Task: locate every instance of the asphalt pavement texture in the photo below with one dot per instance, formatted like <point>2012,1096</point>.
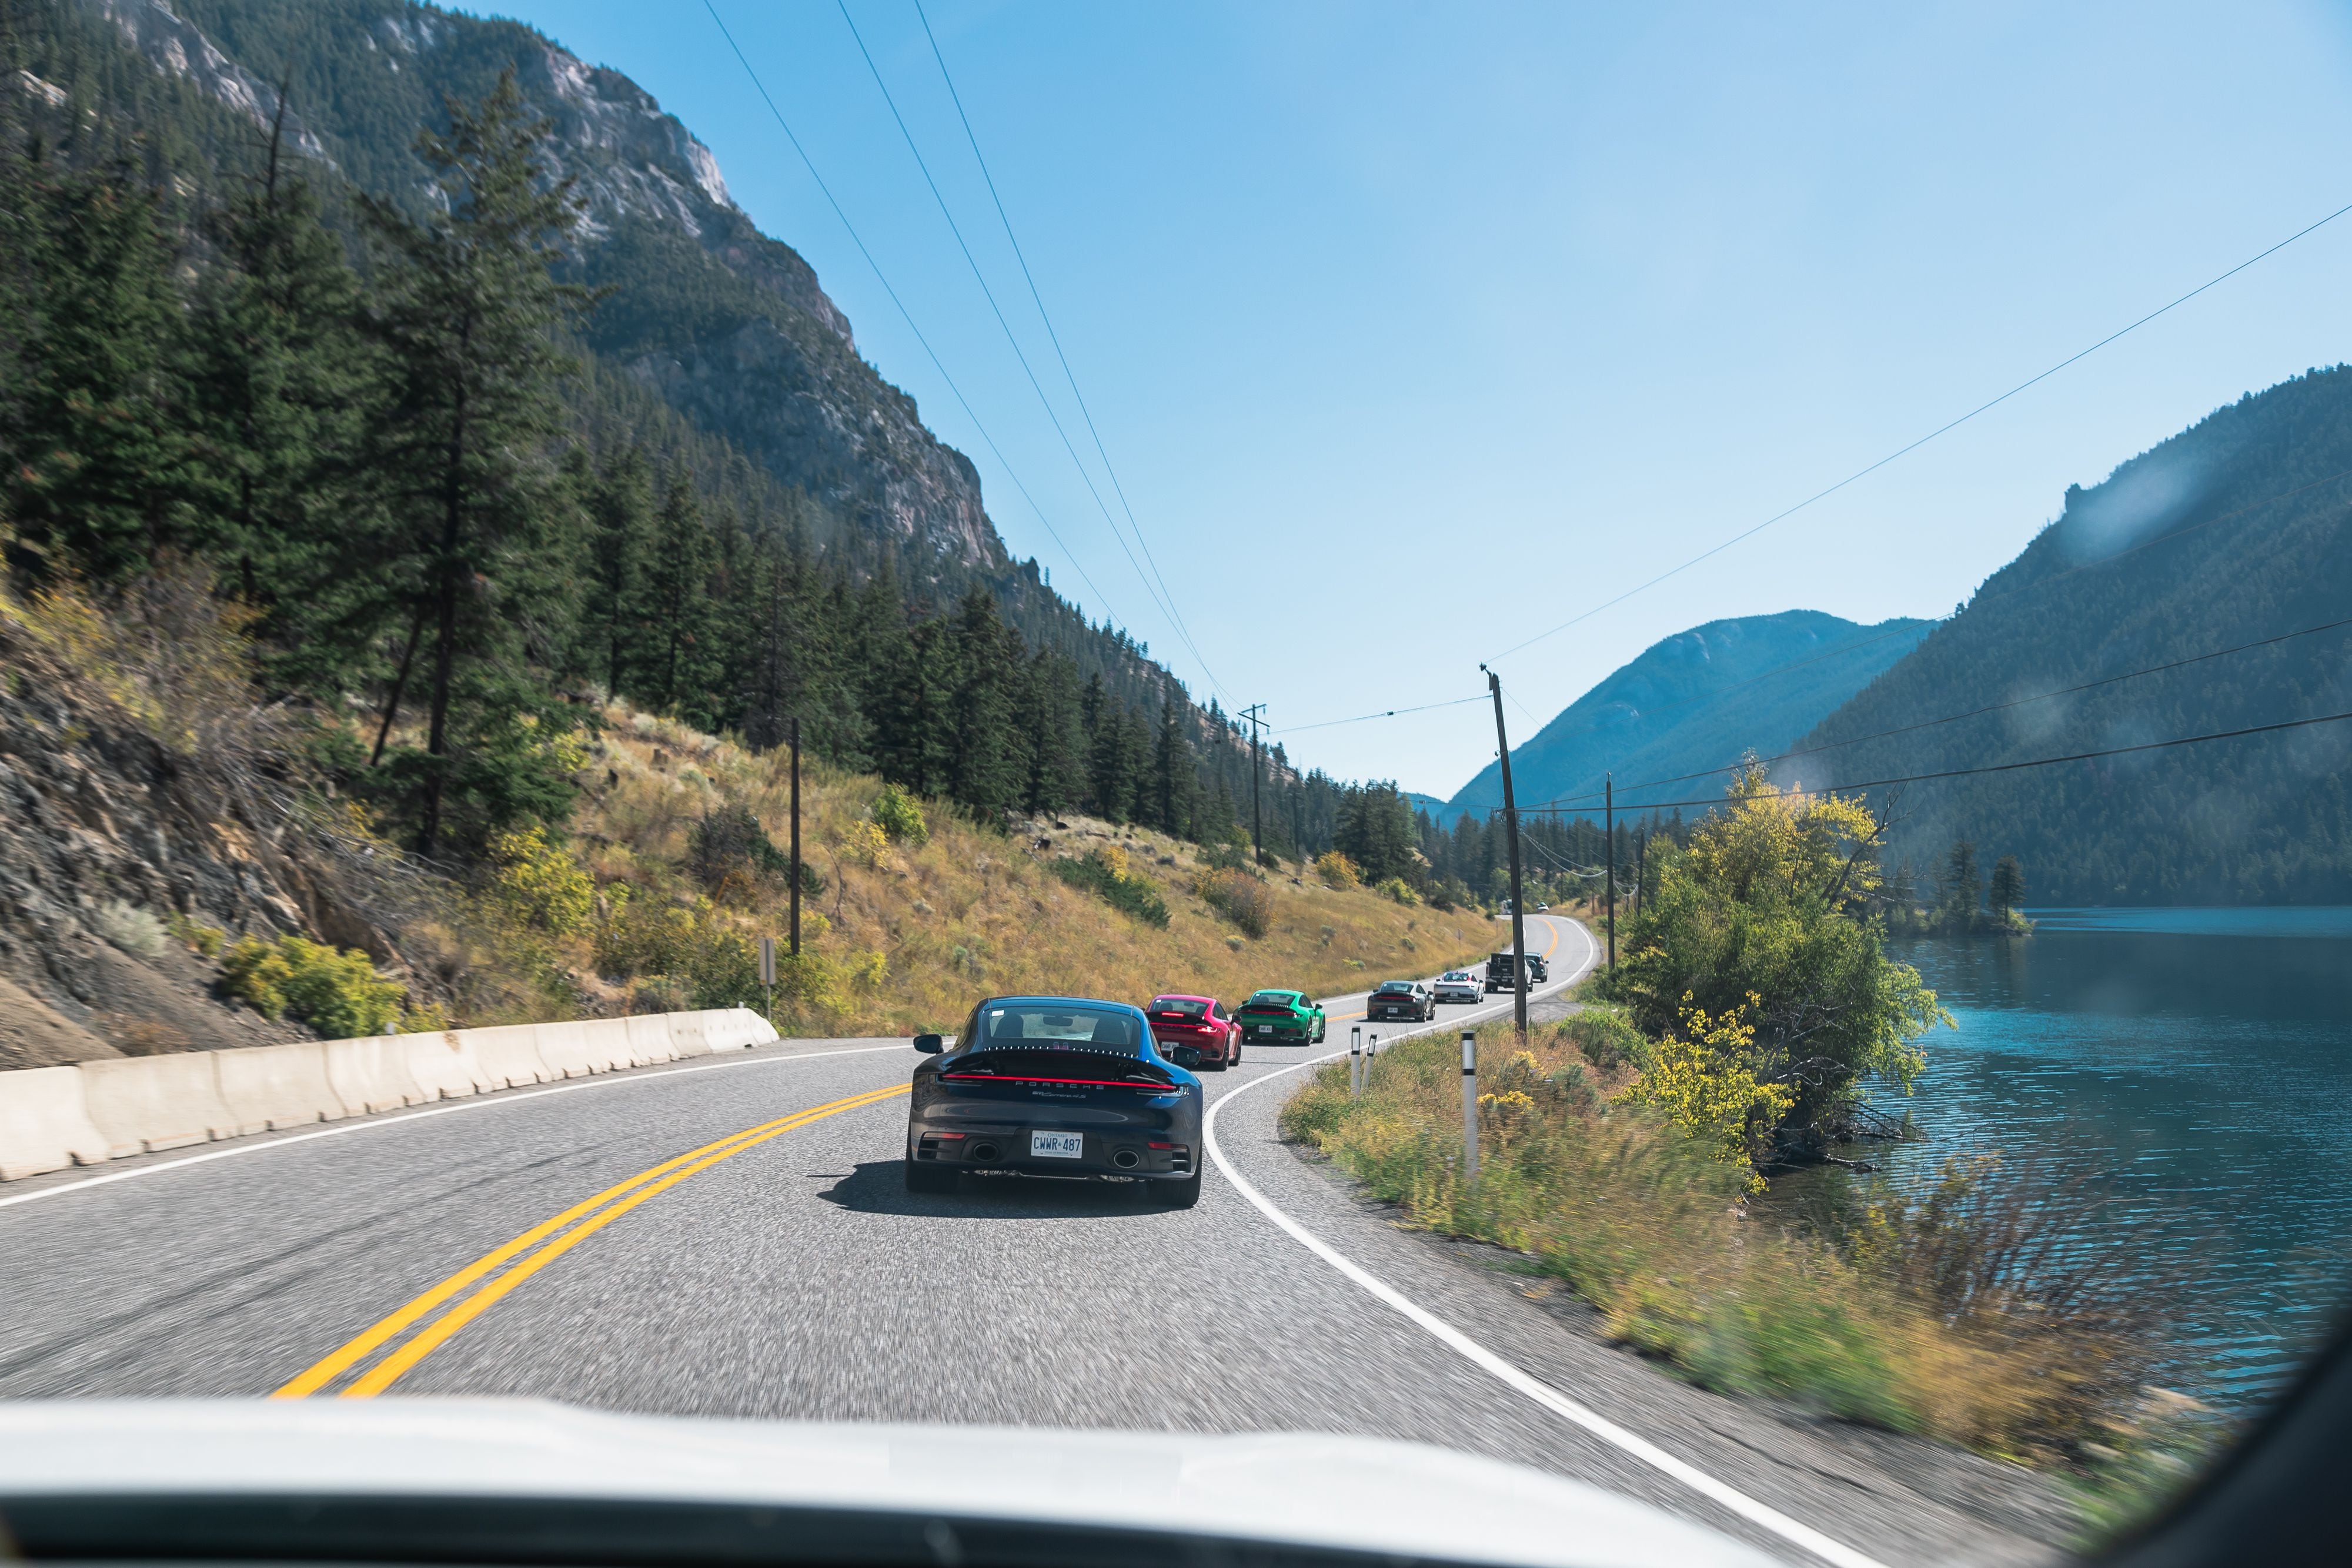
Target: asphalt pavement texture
<point>799,1279</point>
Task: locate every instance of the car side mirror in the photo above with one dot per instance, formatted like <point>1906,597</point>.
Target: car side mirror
<point>929,1044</point>
<point>1187,1057</point>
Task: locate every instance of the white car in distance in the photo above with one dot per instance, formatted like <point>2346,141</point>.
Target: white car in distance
<point>1460,986</point>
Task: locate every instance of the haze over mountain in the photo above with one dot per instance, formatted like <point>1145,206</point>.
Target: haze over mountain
<point>2237,530</point>
<point>1697,699</point>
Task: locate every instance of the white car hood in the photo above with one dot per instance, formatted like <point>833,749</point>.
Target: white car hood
<point>1351,1493</point>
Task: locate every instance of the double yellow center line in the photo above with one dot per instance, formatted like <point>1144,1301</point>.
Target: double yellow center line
<point>472,1291</point>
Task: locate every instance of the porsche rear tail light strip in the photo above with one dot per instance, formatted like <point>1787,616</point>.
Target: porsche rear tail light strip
<point>1144,1084</point>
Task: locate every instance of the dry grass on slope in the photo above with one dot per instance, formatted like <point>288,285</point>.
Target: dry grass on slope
<point>912,935</point>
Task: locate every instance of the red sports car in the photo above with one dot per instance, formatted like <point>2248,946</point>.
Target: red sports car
<point>1201,1022</point>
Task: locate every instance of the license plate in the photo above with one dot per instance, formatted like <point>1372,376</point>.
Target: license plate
<point>1056,1145</point>
<point>1266,1028</point>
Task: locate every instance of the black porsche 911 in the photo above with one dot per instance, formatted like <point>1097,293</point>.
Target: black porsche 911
<point>1057,1086</point>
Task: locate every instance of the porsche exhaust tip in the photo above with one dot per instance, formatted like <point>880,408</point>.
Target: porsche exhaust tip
<point>1127,1160</point>
<point>986,1154</point>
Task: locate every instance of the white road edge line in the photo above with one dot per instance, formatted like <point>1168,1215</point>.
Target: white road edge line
<point>486,1102</point>
<point>1737,1502</point>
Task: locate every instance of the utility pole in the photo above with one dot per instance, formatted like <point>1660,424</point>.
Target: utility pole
<point>1518,904</point>
<point>1609,816</point>
<point>796,740</point>
<point>1255,713</point>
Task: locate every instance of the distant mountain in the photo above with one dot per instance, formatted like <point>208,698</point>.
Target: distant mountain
<point>716,348</point>
<point>1697,700</point>
<point>2237,530</point>
<point>728,325</point>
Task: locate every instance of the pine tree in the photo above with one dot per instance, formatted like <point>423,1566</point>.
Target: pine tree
<point>2008,890</point>
<point>672,653</point>
<point>1049,713</point>
<point>620,523</point>
<point>988,752</point>
<point>464,311</point>
<point>280,390</point>
<point>94,455</point>
<point>1174,783</point>
<point>1963,887</point>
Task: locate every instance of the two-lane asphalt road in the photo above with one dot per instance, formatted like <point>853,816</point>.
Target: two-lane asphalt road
<point>734,1237</point>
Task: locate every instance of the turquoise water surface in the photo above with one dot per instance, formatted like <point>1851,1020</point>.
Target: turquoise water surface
<point>2196,1066</point>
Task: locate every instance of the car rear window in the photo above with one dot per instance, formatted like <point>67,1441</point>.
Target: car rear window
<point>1396,988</point>
<point>1178,1006</point>
<point>1061,1026</point>
<point>1273,998</point>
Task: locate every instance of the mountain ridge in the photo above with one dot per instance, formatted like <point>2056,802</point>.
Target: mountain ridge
<point>1667,710</point>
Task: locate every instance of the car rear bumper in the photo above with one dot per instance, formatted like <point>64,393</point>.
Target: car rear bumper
<point>1118,1153</point>
<point>1279,1034</point>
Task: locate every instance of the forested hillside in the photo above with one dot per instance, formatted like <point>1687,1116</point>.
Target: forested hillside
<point>2234,532</point>
<point>222,342</point>
<point>1697,699</point>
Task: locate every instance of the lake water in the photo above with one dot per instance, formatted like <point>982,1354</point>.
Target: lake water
<point>2197,1065</point>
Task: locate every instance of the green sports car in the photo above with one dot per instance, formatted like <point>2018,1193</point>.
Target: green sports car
<point>1279,1018</point>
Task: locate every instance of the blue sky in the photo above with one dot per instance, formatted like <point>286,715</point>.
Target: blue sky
<point>1415,329</point>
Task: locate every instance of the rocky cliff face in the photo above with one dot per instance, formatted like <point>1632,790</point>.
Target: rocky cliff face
<point>106,833</point>
<point>734,328</point>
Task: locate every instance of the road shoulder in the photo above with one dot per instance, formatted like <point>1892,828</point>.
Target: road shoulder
<point>1898,1498</point>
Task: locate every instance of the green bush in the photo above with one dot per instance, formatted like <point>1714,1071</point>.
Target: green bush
<point>898,814</point>
<point>1126,892</point>
<point>1401,890</point>
<point>1606,1036</point>
<point>334,990</point>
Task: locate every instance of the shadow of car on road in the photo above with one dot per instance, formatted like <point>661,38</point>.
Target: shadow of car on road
<point>880,1187</point>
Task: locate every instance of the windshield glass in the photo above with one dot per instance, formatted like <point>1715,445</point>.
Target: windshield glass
<point>613,714</point>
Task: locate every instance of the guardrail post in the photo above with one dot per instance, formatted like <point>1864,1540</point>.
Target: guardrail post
<point>1355,1061</point>
<point>1469,1107</point>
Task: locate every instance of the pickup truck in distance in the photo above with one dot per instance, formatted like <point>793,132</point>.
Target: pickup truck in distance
<point>1501,972</point>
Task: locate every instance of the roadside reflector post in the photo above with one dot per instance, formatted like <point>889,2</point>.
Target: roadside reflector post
<point>768,972</point>
<point>1355,1061</point>
<point>1469,1107</point>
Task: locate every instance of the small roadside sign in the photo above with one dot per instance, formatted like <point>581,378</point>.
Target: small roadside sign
<point>767,960</point>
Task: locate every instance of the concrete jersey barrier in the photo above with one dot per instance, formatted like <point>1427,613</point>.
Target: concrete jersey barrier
<point>269,1087</point>
<point>371,1074</point>
<point>45,1122</point>
<point>53,1117</point>
<point>145,1104</point>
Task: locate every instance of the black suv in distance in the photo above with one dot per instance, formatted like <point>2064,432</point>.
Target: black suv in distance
<point>1401,999</point>
<point>1500,977</point>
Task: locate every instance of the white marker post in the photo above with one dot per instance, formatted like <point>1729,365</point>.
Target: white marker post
<point>1469,1107</point>
<point>768,972</point>
<point>1355,1061</point>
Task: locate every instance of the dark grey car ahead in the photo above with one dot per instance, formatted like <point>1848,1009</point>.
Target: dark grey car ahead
<point>1057,1086</point>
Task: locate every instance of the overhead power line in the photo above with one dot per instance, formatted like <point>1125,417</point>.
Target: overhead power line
<point>1164,600</point>
<point>904,314</point>
<point>1987,767</point>
<point>1922,441</point>
<point>1038,300</point>
<point>1386,712</point>
<point>1996,707</point>
<point>1982,598</point>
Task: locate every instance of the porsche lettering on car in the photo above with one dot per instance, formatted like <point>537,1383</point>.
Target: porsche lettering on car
<point>1058,1086</point>
<point>1281,1018</point>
